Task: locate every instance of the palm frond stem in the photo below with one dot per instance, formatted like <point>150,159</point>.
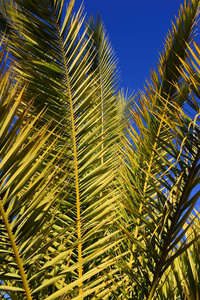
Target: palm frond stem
<point>16,252</point>
<point>162,259</point>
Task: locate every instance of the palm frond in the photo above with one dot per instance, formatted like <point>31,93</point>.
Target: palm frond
<point>161,166</point>
<point>27,190</point>
<point>50,53</point>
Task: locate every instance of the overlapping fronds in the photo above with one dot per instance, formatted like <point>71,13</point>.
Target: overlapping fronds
<point>104,66</point>
<point>161,166</point>
<point>28,190</point>
<point>84,212</point>
<point>56,60</point>
<point>181,280</point>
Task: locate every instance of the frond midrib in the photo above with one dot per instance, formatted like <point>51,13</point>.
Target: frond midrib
<point>69,94</point>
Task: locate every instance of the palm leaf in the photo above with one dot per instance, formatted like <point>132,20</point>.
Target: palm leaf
<point>161,165</point>
<point>23,150</point>
<point>50,53</point>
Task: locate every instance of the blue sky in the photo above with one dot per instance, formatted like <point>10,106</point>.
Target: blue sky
<point>137,30</point>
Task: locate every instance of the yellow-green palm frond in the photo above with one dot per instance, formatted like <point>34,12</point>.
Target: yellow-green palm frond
<point>87,213</point>
<point>163,80</point>
<point>31,180</point>
<point>53,56</point>
<point>181,279</point>
<point>161,166</point>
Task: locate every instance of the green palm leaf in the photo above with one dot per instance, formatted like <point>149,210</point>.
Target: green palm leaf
<point>161,166</point>
<point>87,213</point>
<point>50,53</point>
<point>23,150</point>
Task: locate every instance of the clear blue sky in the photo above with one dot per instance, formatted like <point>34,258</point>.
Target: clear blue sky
<point>137,30</point>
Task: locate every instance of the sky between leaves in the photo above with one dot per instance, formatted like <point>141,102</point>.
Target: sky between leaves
<point>137,30</point>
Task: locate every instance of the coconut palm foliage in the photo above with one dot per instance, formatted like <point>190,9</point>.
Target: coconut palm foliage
<point>95,202</point>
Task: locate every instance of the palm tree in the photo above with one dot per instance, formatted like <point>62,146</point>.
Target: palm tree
<point>95,189</point>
